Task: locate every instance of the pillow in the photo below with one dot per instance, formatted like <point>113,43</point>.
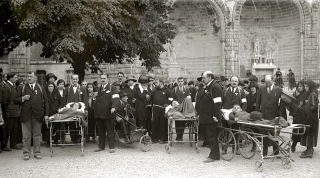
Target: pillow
<point>225,113</point>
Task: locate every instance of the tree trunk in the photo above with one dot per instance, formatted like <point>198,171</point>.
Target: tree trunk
<point>80,70</point>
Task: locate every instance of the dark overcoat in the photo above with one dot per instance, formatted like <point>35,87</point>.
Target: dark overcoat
<point>107,98</point>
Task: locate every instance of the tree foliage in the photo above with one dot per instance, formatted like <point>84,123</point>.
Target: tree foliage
<point>111,30</point>
<point>9,38</point>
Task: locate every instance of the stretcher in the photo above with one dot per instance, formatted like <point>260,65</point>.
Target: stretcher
<point>192,128</point>
<point>250,136</point>
<point>65,131</point>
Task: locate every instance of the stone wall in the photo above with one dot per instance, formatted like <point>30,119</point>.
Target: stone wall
<point>277,26</point>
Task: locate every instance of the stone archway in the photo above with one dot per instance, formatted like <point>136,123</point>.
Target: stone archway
<point>199,43</point>
<point>270,16</point>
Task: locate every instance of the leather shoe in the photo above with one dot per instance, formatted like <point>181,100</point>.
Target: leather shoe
<point>306,156</point>
<point>16,148</point>
<point>6,149</point>
<point>26,157</point>
<point>162,142</point>
<point>98,150</point>
<point>37,156</point>
<point>112,150</point>
<point>209,160</point>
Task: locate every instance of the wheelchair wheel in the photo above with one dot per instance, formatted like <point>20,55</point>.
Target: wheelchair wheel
<point>259,166</point>
<point>246,145</point>
<point>145,143</point>
<point>227,144</point>
<point>286,163</point>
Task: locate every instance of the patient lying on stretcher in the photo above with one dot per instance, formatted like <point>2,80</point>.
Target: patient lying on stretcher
<point>182,111</point>
<point>73,109</point>
<point>238,114</point>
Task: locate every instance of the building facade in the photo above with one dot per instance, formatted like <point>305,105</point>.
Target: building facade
<point>228,37</point>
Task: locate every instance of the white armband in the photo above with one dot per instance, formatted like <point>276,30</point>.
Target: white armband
<point>279,100</point>
<point>243,100</point>
<point>170,99</point>
<point>217,100</point>
<point>115,96</point>
<point>189,97</point>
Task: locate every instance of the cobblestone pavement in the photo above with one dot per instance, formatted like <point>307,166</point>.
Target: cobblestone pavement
<point>130,161</point>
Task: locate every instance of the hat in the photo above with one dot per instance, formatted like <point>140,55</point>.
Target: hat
<point>200,78</point>
<point>255,116</point>
<point>245,81</point>
<point>223,78</point>
<point>286,96</point>
<point>263,80</point>
<point>50,75</point>
<point>150,77</point>
<point>253,78</point>
<point>122,93</point>
<point>143,79</point>
<point>241,83</point>
<point>253,84</point>
<point>116,83</point>
<point>131,78</point>
<point>191,83</point>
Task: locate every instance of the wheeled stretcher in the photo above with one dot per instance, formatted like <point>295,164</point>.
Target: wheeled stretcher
<point>64,131</point>
<point>250,136</point>
<point>191,127</point>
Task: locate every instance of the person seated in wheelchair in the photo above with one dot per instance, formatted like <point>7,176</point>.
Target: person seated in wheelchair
<point>125,123</point>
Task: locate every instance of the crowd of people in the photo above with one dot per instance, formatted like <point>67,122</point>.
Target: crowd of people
<point>134,103</point>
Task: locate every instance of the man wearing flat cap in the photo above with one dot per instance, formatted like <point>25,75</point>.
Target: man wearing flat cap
<point>129,89</point>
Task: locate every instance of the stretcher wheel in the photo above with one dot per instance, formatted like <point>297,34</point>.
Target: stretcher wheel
<point>286,163</point>
<point>227,144</point>
<point>168,150</point>
<point>246,145</point>
<point>145,143</point>
<point>259,166</point>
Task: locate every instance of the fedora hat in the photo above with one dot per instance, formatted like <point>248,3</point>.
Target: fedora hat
<point>143,79</point>
<point>200,78</point>
<point>255,116</point>
<point>131,78</point>
<point>122,93</point>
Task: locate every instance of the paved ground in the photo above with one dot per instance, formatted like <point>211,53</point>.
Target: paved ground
<point>130,161</point>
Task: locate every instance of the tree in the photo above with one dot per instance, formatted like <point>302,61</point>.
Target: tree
<point>112,31</point>
<point>9,38</point>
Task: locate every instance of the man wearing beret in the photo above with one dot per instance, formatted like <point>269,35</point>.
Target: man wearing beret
<point>209,113</point>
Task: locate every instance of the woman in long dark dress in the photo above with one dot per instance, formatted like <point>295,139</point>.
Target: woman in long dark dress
<point>91,120</point>
<point>55,103</point>
<point>308,115</point>
<point>301,95</point>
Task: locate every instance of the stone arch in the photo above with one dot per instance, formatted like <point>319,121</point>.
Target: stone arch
<point>305,25</point>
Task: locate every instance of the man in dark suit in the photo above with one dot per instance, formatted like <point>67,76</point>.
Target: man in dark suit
<point>209,113</point>
<point>121,81</point>
<point>34,108</point>
<point>76,93</point>
<point>180,92</point>
<point>234,95</point>
<point>107,102</point>
<point>268,103</point>
<point>193,91</point>
<point>12,110</point>
<point>151,88</point>
<point>129,89</point>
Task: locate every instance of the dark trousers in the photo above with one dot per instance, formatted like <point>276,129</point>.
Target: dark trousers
<point>203,133</point>
<point>3,138</point>
<point>12,130</point>
<point>127,127</point>
<point>212,134</point>
<point>266,143</point>
<point>180,126</point>
<point>149,121</point>
<point>19,134</point>
<point>106,125</point>
<point>75,137</point>
<point>142,123</point>
<point>159,125</point>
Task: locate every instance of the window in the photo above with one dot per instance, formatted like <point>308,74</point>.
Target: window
<point>69,74</point>
<point>41,77</point>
